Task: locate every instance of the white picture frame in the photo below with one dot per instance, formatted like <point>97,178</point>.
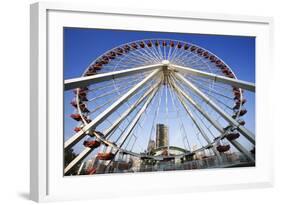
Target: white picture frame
<point>46,176</point>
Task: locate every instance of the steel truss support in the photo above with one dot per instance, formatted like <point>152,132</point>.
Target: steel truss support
<point>108,131</point>
<point>133,123</point>
<point>249,135</point>
<point>85,81</point>
<point>235,143</point>
<point>230,81</point>
<point>95,122</point>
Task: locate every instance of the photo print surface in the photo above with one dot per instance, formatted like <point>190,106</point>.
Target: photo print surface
<point>141,101</point>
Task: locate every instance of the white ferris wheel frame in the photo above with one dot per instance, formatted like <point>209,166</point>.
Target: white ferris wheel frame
<point>47,22</point>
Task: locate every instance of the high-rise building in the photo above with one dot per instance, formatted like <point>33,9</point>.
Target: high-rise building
<point>162,137</point>
<point>151,145</point>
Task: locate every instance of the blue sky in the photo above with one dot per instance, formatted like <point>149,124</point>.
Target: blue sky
<point>82,46</point>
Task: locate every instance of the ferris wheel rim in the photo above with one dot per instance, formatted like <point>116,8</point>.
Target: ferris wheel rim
<point>160,40</point>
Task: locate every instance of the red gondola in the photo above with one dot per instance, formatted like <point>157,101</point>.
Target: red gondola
<point>225,71</point>
<point>236,92</point>
<point>111,55</point>
<point>81,90</point>
<point>119,51</point>
<point>186,46</point>
<point>232,136</point>
<point>74,103</point>
<point>89,73</point>
<point>243,101</point>
<point>83,98</point>
<point>105,58</point>
<point>242,122</point>
<point>105,156</point>
<point>179,45</point>
<point>242,112</point>
<point>213,58</point>
<point>83,108</point>
<point>97,66</point>
<point>77,129</point>
<point>230,75</point>
<point>156,43</point>
<point>237,96</point>
<point>223,148</point>
<point>126,48</point>
<point>172,44</point>
<point>164,43</point>
<point>235,89</point>
<point>91,144</point>
<point>206,54</point>
<point>92,69</point>
<point>142,45</point>
<point>76,117</point>
<point>193,48</point>
<point>218,62</point>
<point>134,45</point>
<point>200,51</point>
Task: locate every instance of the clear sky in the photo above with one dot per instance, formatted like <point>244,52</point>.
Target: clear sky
<point>82,46</point>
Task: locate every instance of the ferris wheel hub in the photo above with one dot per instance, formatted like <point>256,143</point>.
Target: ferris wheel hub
<point>165,62</point>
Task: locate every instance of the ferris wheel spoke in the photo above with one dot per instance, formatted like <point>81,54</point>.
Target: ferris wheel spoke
<point>148,54</point>
<point>121,88</point>
<point>73,140</point>
<point>175,53</point>
<point>132,125</point>
<point>140,56</point>
<point>173,97</point>
<point>250,136</point>
<point>222,79</point>
<point>209,90</point>
<point>198,126</point>
<point>235,143</point>
<point>191,101</point>
<point>144,55</point>
<point>108,131</point>
<point>210,83</point>
<point>84,81</point>
<point>156,51</point>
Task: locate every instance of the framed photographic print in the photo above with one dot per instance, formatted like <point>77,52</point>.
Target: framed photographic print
<point>168,101</point>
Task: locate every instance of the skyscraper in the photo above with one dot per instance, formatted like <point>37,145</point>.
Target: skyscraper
<point>162,135</point>
<point>151,145</point>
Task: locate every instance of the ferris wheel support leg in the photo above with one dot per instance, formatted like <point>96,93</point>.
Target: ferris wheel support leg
<point>79,135</point>
<point>199,127</point>
<point>249,135</point>
<point>108,131</point>
<point>132,125</point>
<point>235,143</point>
<point>230,81</point>
<point>85,81</point>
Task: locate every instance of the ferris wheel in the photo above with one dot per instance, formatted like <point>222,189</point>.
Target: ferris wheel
<point>125,92</point>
